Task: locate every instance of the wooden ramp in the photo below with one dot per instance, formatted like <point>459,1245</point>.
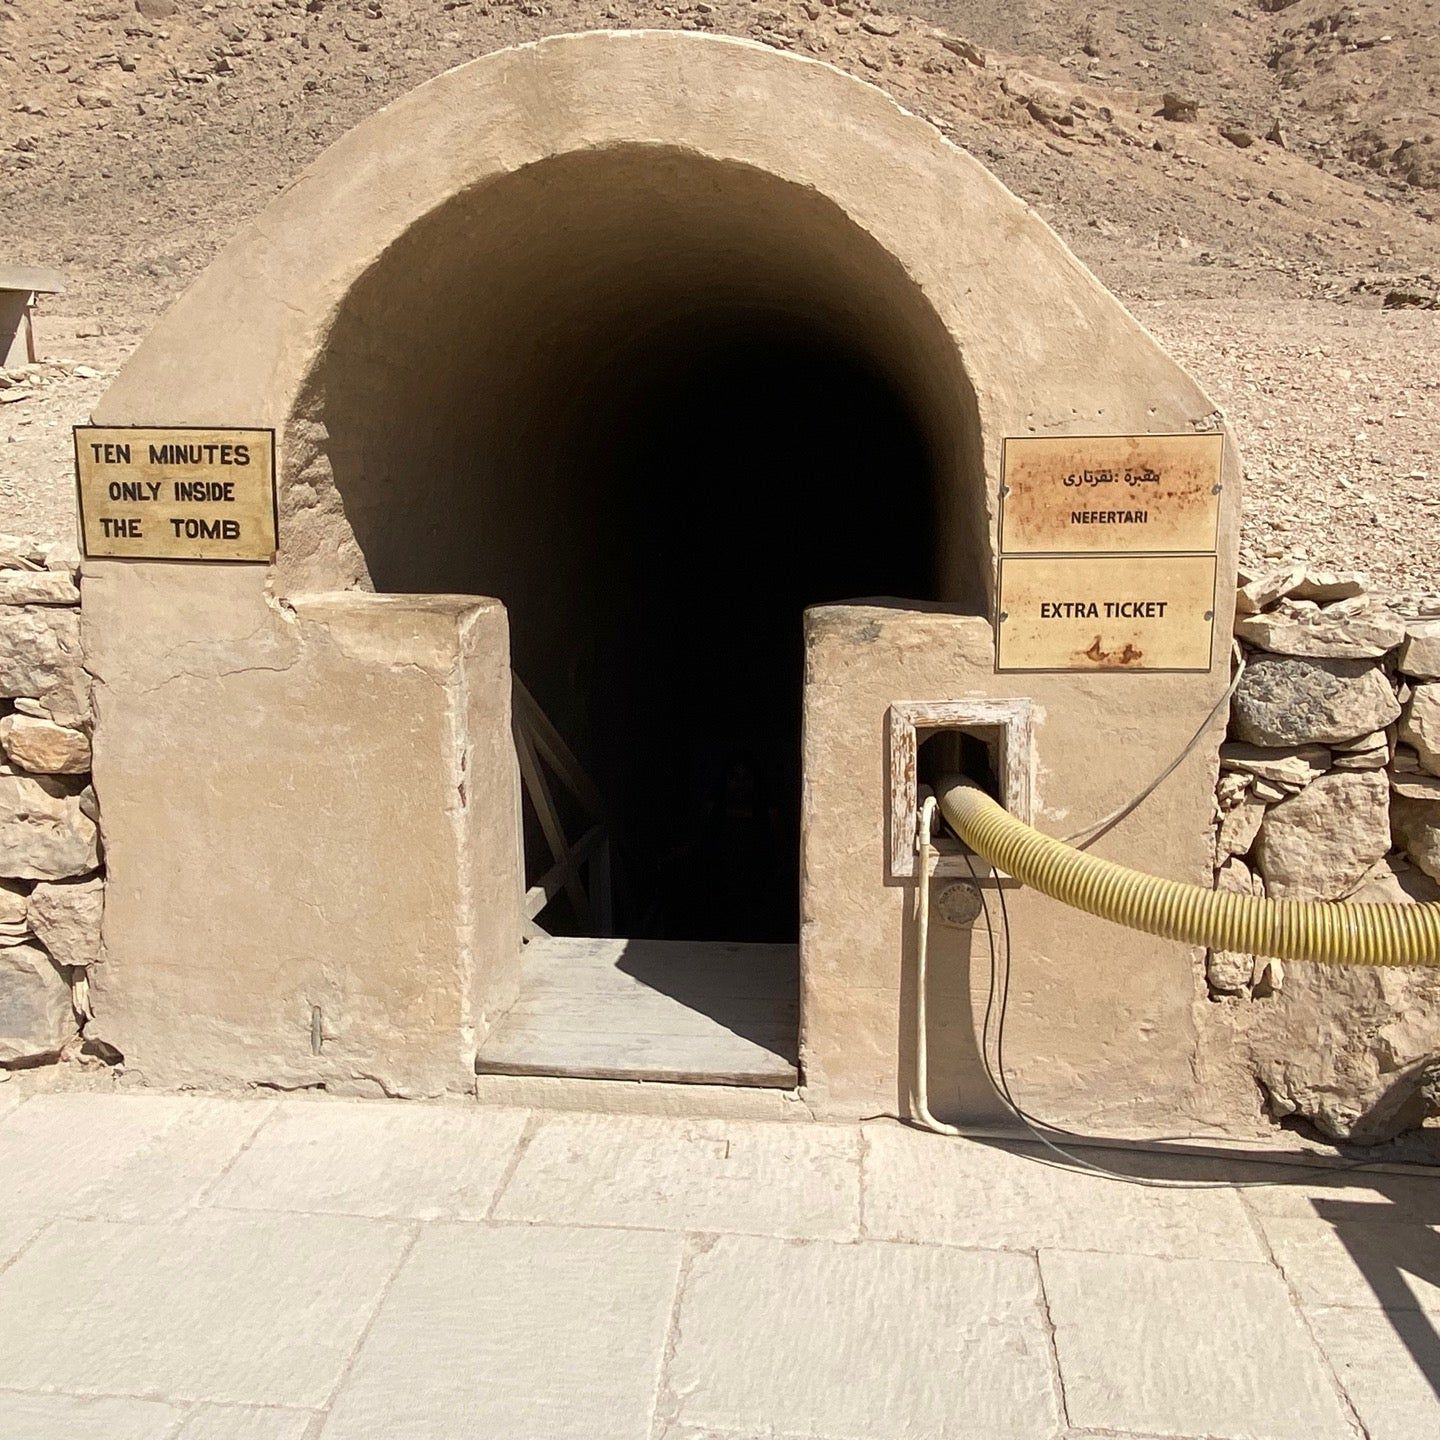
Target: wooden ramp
<point>697,1012</point>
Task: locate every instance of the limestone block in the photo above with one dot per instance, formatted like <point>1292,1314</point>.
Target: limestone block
<point>1239,828</point>
<point>1328,585</point>
<point>1350,629</point>
<point>1420,654</point>
<point>1292,767</point>
<point>1186,1347</point>
<point>1415,785</point>
<point>14,924</point>
<point>1295,700</point>
<point>1420,726</point>
<point>1319,844</point>
<point>45,833</point>
<point>1228,972</point>
<point>65,916</point>
<point>35,1014</point>
<point>300,1288</point>
<point>40,657</point>
<point>43,747</point>
<point>1353,1049</point>
<point>1264,590</point>
<point>1417,831</point>
<point>524,1331</point>
<point>21,552</point>
<point>37,587</point>
<point>1369,752</point>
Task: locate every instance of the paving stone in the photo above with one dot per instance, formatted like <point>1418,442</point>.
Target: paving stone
<point>889,1342</point>
<point>967,1192</point>
<point>376,1158</point>
<point>1366,1196</point>
<point>227,1422</point>
<point>1186,1347</point>
<point>120,1156</point>
<point>1390,1368</point>
<point>515,1333</point>
<point>1384,1267</point>
<point>17,1230</point>
<point>220,1306</point>
<point>67,1417</point>
<point>722,1175</point>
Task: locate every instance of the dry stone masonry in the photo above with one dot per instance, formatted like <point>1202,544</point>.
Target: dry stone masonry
<point>51,886</point>
<point>1329,789</point>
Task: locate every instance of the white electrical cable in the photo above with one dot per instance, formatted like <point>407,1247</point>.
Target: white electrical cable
<point>920,1099</point>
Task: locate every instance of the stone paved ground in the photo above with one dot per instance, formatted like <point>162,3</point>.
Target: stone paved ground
<point>188,1268</point>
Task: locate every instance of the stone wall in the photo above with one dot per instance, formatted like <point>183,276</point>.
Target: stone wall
<point>1329,789</point>
<point>51,883</point>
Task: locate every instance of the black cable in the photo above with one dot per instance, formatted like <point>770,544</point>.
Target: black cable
<point>1000,969</point>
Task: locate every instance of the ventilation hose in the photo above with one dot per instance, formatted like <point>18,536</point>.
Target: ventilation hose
<point>1331,933</point>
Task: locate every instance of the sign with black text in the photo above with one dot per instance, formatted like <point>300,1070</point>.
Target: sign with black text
<point>176,494</point>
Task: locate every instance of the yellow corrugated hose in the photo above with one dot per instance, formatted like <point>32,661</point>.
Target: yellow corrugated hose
<point>1332,933</point>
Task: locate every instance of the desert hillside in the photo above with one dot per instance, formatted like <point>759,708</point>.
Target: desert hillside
<point>1261,184</point>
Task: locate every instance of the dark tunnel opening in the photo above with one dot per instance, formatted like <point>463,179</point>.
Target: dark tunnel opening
<point>658,405</point>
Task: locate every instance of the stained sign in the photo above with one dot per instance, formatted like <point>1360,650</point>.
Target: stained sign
<point>1108,552</point>
<point>1106,612</point>
<point>176,494</point>
<point>1109,494</point>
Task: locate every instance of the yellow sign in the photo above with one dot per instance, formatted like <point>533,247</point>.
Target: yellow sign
<point>1098,494</point>
<point>176,494</point>
<point>1111,612</point>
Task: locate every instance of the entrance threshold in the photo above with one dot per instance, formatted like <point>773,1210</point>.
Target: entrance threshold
<point>697,1012</point>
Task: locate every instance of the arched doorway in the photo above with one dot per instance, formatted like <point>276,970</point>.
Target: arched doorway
<point>658,405</point>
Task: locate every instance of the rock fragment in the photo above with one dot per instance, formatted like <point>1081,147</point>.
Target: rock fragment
<point>45,830</point>
<point>1298,700</point>
<point>1420,654</point>
<point>65,917</point>
<point>36,1017</point>
<point>42,747</point>
<point>1319,844</point>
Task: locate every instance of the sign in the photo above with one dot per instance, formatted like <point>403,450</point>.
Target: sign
<point>1107,494</point>
<point>1110,612</point>
<point>176,494</point>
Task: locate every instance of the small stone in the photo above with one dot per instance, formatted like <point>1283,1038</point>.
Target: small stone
<point>1292,767</point>
<point>1420,654</point>
<point>1416,787</point>
<point>1238,136</point>
<point>37,587</point>
<point>1328,585</point>
<point>1363,759</point>
<point>1417,831</point>
<point>1227,972</point>
<point>1176,107</point>
<point>42,747</point>
<point>880,25</point>
<point>970,54</point>
<point>1294,700</point>
<point>1276,135</point>
<point>1238,829</point>
<point>65,916</point>
<point>1349,629</point>
<point>1269,791</point>
<point>14,906</point>
<point>36,1018</point>
<point>1319,844</point>
<point>158,9</point>
<point>21,552</point>
<point>45,833</point>
<point>1420,725</point>
<point>40,658</point>
<point>1264,590</point>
